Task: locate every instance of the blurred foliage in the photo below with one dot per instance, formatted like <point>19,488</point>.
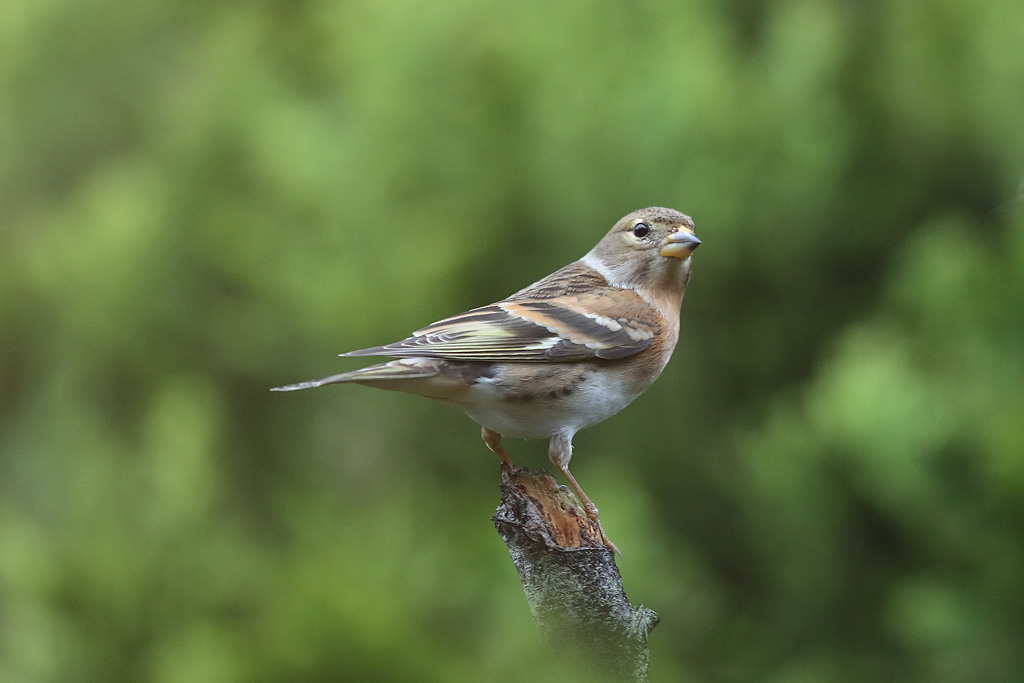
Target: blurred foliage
<point>203,200</point>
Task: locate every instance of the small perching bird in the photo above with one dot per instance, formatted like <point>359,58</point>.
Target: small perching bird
<point>564,353</point>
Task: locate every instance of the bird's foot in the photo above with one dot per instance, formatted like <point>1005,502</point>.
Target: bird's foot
<point>594,517</point>
<point>588,506</point>
<point>493,441</point>
<point>608,542</point>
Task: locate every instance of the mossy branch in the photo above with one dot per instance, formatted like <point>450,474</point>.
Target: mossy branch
<point>572,585</point>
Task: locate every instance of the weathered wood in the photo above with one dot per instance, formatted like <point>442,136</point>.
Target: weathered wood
<point>572,585</point>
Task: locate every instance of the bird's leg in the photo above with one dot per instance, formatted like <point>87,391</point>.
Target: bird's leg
<point>560,452</point>
<point>493,441</point>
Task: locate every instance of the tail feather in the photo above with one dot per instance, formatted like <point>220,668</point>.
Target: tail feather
<point>333,379</point>
<point>383,373</point>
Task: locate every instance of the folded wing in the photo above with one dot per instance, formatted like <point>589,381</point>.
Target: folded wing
<point>551,329</point>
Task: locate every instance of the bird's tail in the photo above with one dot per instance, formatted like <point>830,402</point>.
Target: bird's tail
<point>415,375</point>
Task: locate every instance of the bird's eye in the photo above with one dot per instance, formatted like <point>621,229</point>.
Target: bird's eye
<point>641,230</point>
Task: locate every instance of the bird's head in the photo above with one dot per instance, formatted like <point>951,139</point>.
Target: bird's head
<point>647,248</point>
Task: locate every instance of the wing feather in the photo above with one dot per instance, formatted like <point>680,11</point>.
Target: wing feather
<point>595,325</point>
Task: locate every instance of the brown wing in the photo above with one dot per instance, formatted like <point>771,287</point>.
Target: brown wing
<point>604,323</point>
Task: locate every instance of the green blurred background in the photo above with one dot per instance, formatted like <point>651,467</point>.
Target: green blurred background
<point>204,200</point>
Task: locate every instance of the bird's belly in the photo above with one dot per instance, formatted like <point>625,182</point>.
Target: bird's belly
<point>538,407</point>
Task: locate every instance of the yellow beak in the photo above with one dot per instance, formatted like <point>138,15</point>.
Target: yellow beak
<point>680,244</point>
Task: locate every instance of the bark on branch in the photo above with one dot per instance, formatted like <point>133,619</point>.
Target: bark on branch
<point>571,582</point>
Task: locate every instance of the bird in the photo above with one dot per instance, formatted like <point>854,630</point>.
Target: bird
<point>562,354</point>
